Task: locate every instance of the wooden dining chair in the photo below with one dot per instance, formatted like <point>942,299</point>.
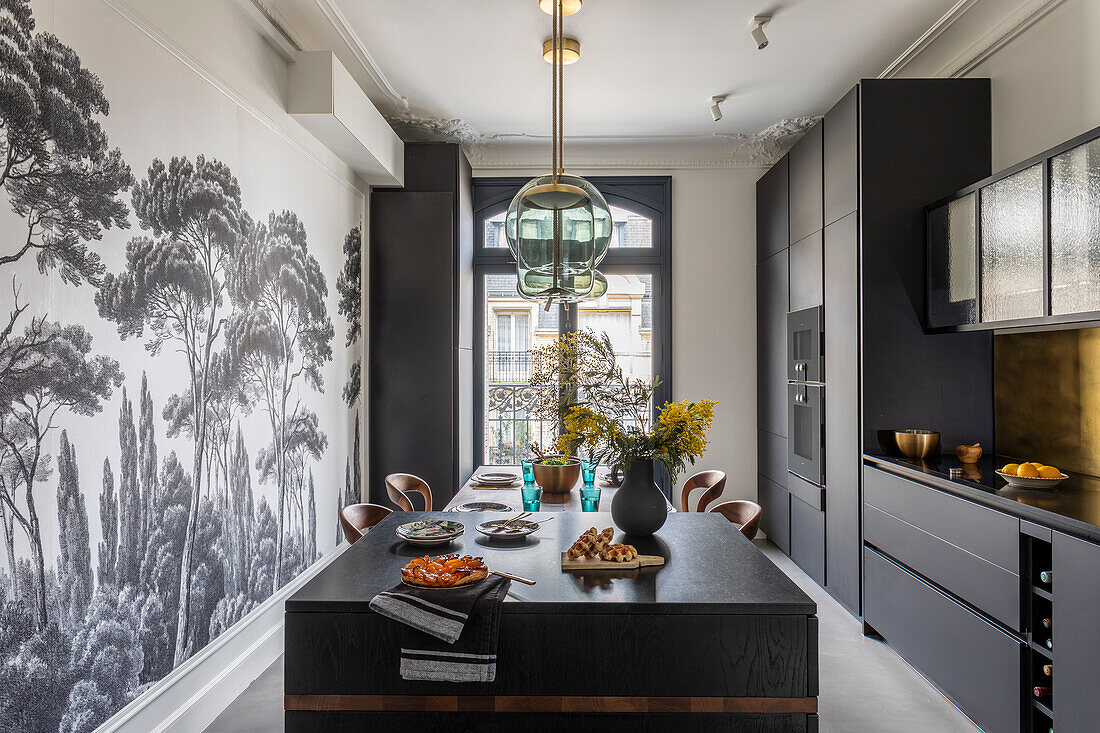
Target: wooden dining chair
<point>743,512</point>
<point>356,519</point>
<point>713,481</point>
<point>400,485</point>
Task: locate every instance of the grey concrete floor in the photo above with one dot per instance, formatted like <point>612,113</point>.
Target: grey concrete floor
<point>865,686</point>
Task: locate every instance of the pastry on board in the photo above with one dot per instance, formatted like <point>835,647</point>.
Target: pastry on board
<point>594,544</point>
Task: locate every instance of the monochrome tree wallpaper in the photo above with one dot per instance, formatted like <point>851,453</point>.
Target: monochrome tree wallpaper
<point>178,419</point>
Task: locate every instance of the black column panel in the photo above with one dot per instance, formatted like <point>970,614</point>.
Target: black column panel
<point>771,313</point>
<point>1075,632</point>
<point>841,153</point>
<point>772,229</point>
<point>842,525</point>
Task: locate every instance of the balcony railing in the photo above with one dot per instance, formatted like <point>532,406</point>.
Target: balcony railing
<point>508,367</point>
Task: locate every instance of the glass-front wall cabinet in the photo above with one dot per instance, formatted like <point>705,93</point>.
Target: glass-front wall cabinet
<point>952,277</point>
<point>1075,230</point>
<point>1012,246</point>
<point>1021,246</point>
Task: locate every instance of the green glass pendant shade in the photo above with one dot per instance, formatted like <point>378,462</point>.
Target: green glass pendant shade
<point>558,232</point>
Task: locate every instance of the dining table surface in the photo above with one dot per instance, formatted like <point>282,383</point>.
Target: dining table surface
<point>471,492</point>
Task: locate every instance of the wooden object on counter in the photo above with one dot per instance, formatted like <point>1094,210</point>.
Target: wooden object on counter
<point>595,563</point>
<point>969,453</point>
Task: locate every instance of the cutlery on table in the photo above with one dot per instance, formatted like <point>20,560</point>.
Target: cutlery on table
<point>503,574</point>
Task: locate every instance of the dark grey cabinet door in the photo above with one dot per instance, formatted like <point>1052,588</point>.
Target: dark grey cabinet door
<point>411,378</point>
<point>841,154</point>
<point>776,517</point>
<point>806,266</point>
<point>842,449</point>
<point>1075,632</point>
<point>808,538</point>
<point>772,456</point>
<point>806,184</point>
<point>771,313</point>
<point>772,227</point>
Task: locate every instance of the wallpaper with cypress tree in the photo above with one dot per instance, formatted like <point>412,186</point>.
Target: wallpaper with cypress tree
<point>179,382</point>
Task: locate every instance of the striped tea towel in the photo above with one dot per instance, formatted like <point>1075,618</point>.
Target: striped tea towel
<point>449,635</point>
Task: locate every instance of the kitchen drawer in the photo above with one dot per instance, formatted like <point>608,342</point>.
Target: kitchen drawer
<point>989,587</point>
<point>979,530</point>
<point>812,494</point>
<point>808,539</point>
<point>776,517</point>
<point>976,664</point>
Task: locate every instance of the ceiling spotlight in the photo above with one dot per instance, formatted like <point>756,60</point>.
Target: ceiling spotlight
<point>570,50</point>
<point>568,7</point>
<point>716,107</point>
<point>757,31</point>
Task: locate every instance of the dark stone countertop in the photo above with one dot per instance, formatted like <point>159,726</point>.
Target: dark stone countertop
<point>1072,507</point>
<point>710,568</point>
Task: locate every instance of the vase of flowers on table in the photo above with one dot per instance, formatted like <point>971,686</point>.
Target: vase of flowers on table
<point>609,417</point>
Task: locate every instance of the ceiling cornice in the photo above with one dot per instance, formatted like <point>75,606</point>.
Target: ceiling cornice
<point>1004,27</point>
<point>759,150</point>
<point>340,24</point>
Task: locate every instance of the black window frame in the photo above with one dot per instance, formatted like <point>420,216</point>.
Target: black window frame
<point>647,195</point>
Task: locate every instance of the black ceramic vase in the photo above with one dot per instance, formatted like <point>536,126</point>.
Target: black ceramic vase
<point>638,507</point>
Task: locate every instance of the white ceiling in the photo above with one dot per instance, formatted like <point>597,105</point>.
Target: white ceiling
<point>647,68</point>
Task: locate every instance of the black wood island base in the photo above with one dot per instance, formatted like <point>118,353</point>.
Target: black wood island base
<point>716,640</point>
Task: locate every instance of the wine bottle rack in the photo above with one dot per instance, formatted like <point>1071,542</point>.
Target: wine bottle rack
<point>1040,653</point>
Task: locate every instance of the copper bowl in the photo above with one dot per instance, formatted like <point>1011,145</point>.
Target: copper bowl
<point>558,479</point>
<point>917,443</point>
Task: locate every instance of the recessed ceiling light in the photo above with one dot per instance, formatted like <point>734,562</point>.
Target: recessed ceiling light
<point>568,7</point>
<point>570,50</point>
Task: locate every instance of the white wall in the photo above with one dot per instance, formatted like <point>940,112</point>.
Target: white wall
<point>1045,79</point>
<point>713,308</point>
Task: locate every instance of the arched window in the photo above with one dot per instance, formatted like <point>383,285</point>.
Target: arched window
<point>635,312</point>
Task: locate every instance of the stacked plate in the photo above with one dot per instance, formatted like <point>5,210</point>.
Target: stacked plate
<point>495,480</point>
<point>430,532</point>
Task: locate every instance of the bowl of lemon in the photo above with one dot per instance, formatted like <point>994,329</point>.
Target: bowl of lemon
<point>1031,475</point>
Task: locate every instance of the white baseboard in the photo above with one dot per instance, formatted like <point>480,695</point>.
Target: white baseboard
<point>189,698</point>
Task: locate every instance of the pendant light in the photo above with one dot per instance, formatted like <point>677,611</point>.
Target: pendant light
<point>558,226</point>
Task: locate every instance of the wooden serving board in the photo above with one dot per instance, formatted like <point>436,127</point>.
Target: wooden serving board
<point>642,561</point>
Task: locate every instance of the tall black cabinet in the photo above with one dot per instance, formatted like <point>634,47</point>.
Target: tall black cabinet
<point>421,316</point>
<point>856,187</point>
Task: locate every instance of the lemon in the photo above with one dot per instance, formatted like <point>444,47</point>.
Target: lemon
<point>1027,470</point>
<point>1049,472</point>
<point>1011,468</point>
<point>1037,465</point>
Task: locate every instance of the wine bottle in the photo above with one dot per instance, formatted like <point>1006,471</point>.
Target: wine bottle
<point>1048,670</point>
<point>1045,623</point>
<point>1041,691</point>
<point>1050,644</point>
<point>1047,576</point>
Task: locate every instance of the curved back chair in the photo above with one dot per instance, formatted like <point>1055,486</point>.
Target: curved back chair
<point>742,512</point>
<point>356,519</point>
<point>712,481</point>
<point>400,485</point>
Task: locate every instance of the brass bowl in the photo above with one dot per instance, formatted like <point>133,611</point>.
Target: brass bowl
<point>558,479</point>
<point>917,443</point>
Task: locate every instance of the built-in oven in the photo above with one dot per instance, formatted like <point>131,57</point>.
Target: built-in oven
<point>806,431</point>
<point>806,345</point>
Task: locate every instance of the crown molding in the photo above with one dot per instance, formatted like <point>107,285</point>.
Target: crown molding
<point>759,150</point>
<point>1003,29</point>
<point>342,26</point>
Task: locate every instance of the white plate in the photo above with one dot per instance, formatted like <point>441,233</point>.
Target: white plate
<point>517,530</point>
<point>428,533</point>
<point>1023,482</point>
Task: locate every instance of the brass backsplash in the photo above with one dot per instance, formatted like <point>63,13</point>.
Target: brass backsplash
<point>1047,397</point>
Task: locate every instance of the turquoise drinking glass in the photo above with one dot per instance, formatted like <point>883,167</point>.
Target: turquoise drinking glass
<point>528,470</point>
<point>532,498</point>
<point>588,472</point>
<point>590,499</point>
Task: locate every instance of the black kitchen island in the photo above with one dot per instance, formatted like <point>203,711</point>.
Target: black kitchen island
<point>716,639</point>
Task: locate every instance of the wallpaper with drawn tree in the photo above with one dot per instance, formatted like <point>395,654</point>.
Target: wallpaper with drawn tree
<point>177,425</point>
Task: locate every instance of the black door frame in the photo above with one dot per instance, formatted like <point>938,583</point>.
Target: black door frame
<point>649,195</point>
